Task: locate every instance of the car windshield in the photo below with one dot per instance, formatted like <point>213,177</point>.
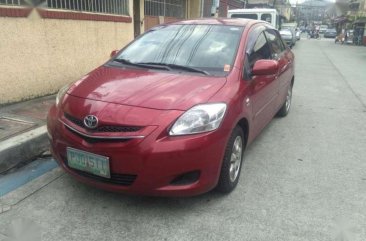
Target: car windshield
<point>207,49</point>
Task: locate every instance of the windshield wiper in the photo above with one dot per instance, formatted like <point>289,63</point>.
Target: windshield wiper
<point>124,61</point>
<point>165,66</point>
<point>177,66</point>
<point>143,65</point>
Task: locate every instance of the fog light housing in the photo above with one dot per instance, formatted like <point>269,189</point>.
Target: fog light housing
<point>186,178</point>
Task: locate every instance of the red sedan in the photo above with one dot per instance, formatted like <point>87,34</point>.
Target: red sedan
<point>172,112</point>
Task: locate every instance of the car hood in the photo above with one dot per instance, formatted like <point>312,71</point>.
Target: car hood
<point>145,88</point>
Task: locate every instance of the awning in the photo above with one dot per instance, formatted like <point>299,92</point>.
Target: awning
<point>340,19</point>
<point>363,20</point>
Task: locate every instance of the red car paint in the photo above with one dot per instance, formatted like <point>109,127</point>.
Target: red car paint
<point>154,100</point>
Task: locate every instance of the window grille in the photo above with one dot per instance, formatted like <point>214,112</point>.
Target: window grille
<point>12,2</point>
<point>118,7</point>
<point>233,4</point>
<point>167,8</point>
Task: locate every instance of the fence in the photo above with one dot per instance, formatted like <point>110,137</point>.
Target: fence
<point>119,7</point>
<point>167,8</point>
<point>12,2</point>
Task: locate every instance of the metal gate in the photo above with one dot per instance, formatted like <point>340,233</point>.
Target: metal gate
<point>163,11</point>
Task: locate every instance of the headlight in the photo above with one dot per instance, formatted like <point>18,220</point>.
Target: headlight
<point>200,118</point>
<point>61,93</point>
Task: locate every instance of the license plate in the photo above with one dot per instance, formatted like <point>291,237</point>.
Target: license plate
<point>88,162</point>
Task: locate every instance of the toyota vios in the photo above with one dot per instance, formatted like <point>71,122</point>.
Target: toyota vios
<point>172,113</point>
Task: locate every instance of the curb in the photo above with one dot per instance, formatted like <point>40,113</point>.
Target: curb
<point>23,147</point>
<point>24,175</point>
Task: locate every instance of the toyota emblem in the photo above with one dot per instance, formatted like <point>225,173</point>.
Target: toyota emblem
<point>91,121</point>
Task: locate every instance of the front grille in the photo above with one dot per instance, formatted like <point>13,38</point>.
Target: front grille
<point>96,140</point>
<point>106,128</point>
<point>74,120</point>
<point>118,129</point>
<point>119,179</point>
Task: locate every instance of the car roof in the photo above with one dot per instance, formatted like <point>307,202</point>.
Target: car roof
<point>219,21</point>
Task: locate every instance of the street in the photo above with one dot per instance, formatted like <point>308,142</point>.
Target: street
<point>303,178</point>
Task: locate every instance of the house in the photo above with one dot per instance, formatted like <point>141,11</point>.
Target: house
<point>46,44</point>
<point>357,14</point>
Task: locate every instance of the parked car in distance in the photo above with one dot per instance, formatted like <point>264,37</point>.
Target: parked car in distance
<point>298,34</point>
<point>323,28</point>
<point>288,36</point>
<point>330,33</point>
<point>172,113</point>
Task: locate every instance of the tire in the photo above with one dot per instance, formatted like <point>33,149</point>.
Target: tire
<point>285,108</point>
<point>232,162</point>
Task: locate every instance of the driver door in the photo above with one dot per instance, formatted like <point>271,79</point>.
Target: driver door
<point>264,88</point>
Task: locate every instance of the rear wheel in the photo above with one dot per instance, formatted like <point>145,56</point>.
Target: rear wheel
<point>285,109</point>
<point>231,165</point>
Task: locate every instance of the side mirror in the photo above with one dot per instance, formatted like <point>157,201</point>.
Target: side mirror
<point>114,52</point>
<point>265,67</point>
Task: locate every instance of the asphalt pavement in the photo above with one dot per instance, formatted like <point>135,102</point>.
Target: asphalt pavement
<point>304,177</point>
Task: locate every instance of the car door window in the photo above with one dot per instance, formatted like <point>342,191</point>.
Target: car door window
<point>275,43</point>
<point>260,50</point>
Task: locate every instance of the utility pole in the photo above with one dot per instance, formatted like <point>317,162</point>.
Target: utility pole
<point>215,8</point>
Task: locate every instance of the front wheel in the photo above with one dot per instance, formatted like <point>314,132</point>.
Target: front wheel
<point>285,108</point>
<point>231,164</point>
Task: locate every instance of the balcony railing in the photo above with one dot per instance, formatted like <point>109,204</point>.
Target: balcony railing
<point>118,7</point>
<point>12,2</point>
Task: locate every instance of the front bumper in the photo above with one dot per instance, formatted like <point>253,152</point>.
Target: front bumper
<point>147,166</point>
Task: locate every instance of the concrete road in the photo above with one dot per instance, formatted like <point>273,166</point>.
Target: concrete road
<point>304,178</point>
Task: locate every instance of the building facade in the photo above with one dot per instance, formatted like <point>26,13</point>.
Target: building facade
<point>46,44</point>
<point>357,15</point>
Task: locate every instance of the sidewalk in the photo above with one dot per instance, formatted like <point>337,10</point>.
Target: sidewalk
<point>23,132</point>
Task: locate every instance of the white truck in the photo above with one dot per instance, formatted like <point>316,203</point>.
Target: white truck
<point>266,14</point>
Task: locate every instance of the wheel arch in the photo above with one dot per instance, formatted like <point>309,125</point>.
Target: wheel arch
<point>244,125</point>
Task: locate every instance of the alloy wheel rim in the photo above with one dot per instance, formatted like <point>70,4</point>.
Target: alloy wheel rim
<point>235,159</point>
<point>288,99</point>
